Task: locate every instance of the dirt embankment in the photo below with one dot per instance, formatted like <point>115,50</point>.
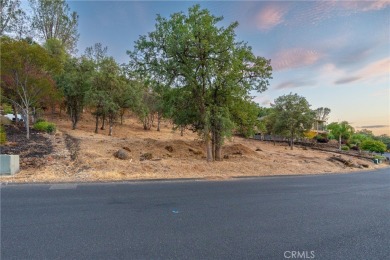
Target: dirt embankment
<point>132,153</point>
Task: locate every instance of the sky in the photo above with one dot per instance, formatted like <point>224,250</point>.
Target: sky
<point>334,53</point>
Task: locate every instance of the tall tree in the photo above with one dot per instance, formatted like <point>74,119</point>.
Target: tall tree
<point>11,15</point>
<point>341,130</point>
<point>322,113</point>
<point>53,19</point>
<point>106,89</point>
<point>196,56</point>
<point>75,82</point>
<point>26,75</point>
<point>292,116</point>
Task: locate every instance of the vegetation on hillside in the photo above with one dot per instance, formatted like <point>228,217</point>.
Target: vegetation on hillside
<point>189,70</point>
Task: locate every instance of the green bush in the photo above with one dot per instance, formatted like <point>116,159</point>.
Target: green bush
<point>374,146</point>
<point>3,136</point>
<point>40,120</point>
<point>7,109</point>
<point>379,157</point>
<point>45,126</point>
<point>345,148</point>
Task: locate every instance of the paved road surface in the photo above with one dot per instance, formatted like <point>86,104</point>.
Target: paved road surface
<point>344,216</point>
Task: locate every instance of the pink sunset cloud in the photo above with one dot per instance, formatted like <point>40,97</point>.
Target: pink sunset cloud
<point>376,69</point>
<point>294,58</point>
<point>269,17</point>
<point>365,6</point>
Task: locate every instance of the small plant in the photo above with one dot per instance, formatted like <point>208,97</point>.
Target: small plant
<point>45,126</point>
<point>7,109</point>
<point>345,148</point>
<point>379,157</point>
<point>40,120</point>
<point>3,136</point>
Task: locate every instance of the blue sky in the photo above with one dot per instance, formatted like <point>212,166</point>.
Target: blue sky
<point>334,53</point>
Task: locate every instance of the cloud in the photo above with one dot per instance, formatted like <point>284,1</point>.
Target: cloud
<point>376,69</point>
<point>346,80</point>
<point>294,84</point>
<point>269,17</point>
<point>319,11</point>
<point>355,56</point>
<point>373,126</point>
<point>294,58</point>
<point>364,6</point>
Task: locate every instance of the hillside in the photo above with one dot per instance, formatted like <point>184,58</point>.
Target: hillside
<point>81,155</point>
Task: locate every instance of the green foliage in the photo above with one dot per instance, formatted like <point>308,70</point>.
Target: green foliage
<point>345,148</point>
<point>26,75</point>
<point>244,114</point>
<point>373,146</point>
<point>322,138</point>
<point>211,74</point>
<point>12,16</point>
<point>341,131</point>
<point>379,157</point>
<point>40,120</point>
<point>3,135</point>
<point>357,139</point>
<point>384,139</point>
<point>45,126</point>
<point>74,83</point>
<point>292,116</point>
<point>52,19</point>
<point>7,108</point>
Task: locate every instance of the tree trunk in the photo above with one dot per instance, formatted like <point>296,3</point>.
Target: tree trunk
<point>208,149</point>
<point>340,142</point>
<point>218,146</point>
<point>181,130</point>
<point>122,113</point>
<point>111,124</point>
<point>213,144</point>
<point>27,123</point>
<point>104,122</point>
<point>15,113</point>
<point>158,121</point>
<point>97,123</point>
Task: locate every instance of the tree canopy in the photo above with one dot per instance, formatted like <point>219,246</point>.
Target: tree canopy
<point>341,130</point>
<point>26,74</point>
<point>191,53</point>
<point>291,116</point>
<point>53,19</point>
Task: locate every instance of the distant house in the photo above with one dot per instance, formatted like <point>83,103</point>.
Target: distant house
<point>319,126</point>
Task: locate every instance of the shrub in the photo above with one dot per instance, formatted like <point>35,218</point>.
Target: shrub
<point>7,109</point>
<point>374,146</point>
<point>379,157</point>
<point>40,120</point>
<point>3,136</point>
<point>45,126</point>
<point>322,138</point>
<point>345,148</point>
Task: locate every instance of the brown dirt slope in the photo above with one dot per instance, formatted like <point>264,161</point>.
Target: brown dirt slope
<point>81,155</point>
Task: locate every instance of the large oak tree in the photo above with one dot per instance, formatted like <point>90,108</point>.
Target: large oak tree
<point>205,63</point>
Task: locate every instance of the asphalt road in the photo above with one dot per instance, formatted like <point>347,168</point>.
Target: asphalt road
<point>344,216</point>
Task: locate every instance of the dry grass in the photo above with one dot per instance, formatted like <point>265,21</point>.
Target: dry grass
<point>173,156</point>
